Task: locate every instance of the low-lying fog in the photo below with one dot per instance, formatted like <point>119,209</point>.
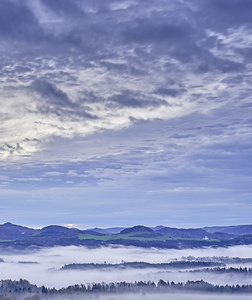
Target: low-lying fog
<point>176,297</point>
<point>45,269</point>
<point>154,296</point>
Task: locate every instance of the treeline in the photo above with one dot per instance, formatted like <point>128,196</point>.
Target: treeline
<point>177,243</point>
<point>9,287</point>
<point>231,270</point>
<point>142,265</point>
<point>221,259</point>
<point>12,290</point>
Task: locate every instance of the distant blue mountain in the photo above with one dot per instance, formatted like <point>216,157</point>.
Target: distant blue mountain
<point>9,231</point>
<point>234,230</point>
<point>157,227</point>
<point>140,231</point>
<point>17,236</point>
<point>112,230</point>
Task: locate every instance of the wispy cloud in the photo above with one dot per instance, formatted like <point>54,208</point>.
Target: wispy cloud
<point>127,97</point>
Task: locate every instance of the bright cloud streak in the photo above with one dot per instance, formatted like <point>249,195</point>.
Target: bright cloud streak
<point>102,102</point>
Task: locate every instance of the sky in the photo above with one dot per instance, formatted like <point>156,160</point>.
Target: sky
<point>119,113</point>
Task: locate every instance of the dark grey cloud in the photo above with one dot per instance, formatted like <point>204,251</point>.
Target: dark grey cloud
<point>130,99</point>
<point>54,100</point>
<point>222,65</point>
<point>10,150</point>
<point>52,94</point>
<point>99,34</point>
<point>114,66</point>
<point>22,69</point>
<point>65,8</point>
<point>156,29</point>
<point>126,98</point>
<point>132,68</point>
<point>169,92</point>
<point>18,22</point>
<point>223,14</point>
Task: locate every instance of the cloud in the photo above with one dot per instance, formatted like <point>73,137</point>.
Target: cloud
<point>190,189</point>
<point>169,92</point>
<point>228,13</point>
<point>52,94</point>
<point>129,95</point>
<point>9,149</point>
<point>127,98</point>
<point>146,31</point>
<point>65,8</point>
<point>71,225</point>
<point>23,26</point>
<point>55,101</point>
<point>53,173</point>
<point>29,179</point>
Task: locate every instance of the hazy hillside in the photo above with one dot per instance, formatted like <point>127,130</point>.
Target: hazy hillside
<point>142,236</point>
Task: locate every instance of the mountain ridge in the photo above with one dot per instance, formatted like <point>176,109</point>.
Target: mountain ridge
<point>12,235</point>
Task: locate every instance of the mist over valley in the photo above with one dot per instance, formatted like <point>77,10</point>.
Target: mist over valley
<point>44,265</point>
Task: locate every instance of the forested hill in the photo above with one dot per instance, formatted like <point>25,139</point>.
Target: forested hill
<point>17,236</point>
<point>22,289</point>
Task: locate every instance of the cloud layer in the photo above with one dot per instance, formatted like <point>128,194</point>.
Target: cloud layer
<point>110,103</point>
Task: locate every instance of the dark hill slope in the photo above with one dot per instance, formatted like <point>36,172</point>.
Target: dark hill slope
<point>106,231</point>
<point>57,231</point>
<point>186,233</point>
<point>196,233</point>
<point>21,237</point>
<point>234,230</point>
<point>9,231</point>
<point>139,231</point>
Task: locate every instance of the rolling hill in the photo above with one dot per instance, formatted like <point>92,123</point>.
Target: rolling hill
<point>17,236</point>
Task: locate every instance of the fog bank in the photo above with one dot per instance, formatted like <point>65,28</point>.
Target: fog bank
<point>45,264</point>
<point>158,296</point>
